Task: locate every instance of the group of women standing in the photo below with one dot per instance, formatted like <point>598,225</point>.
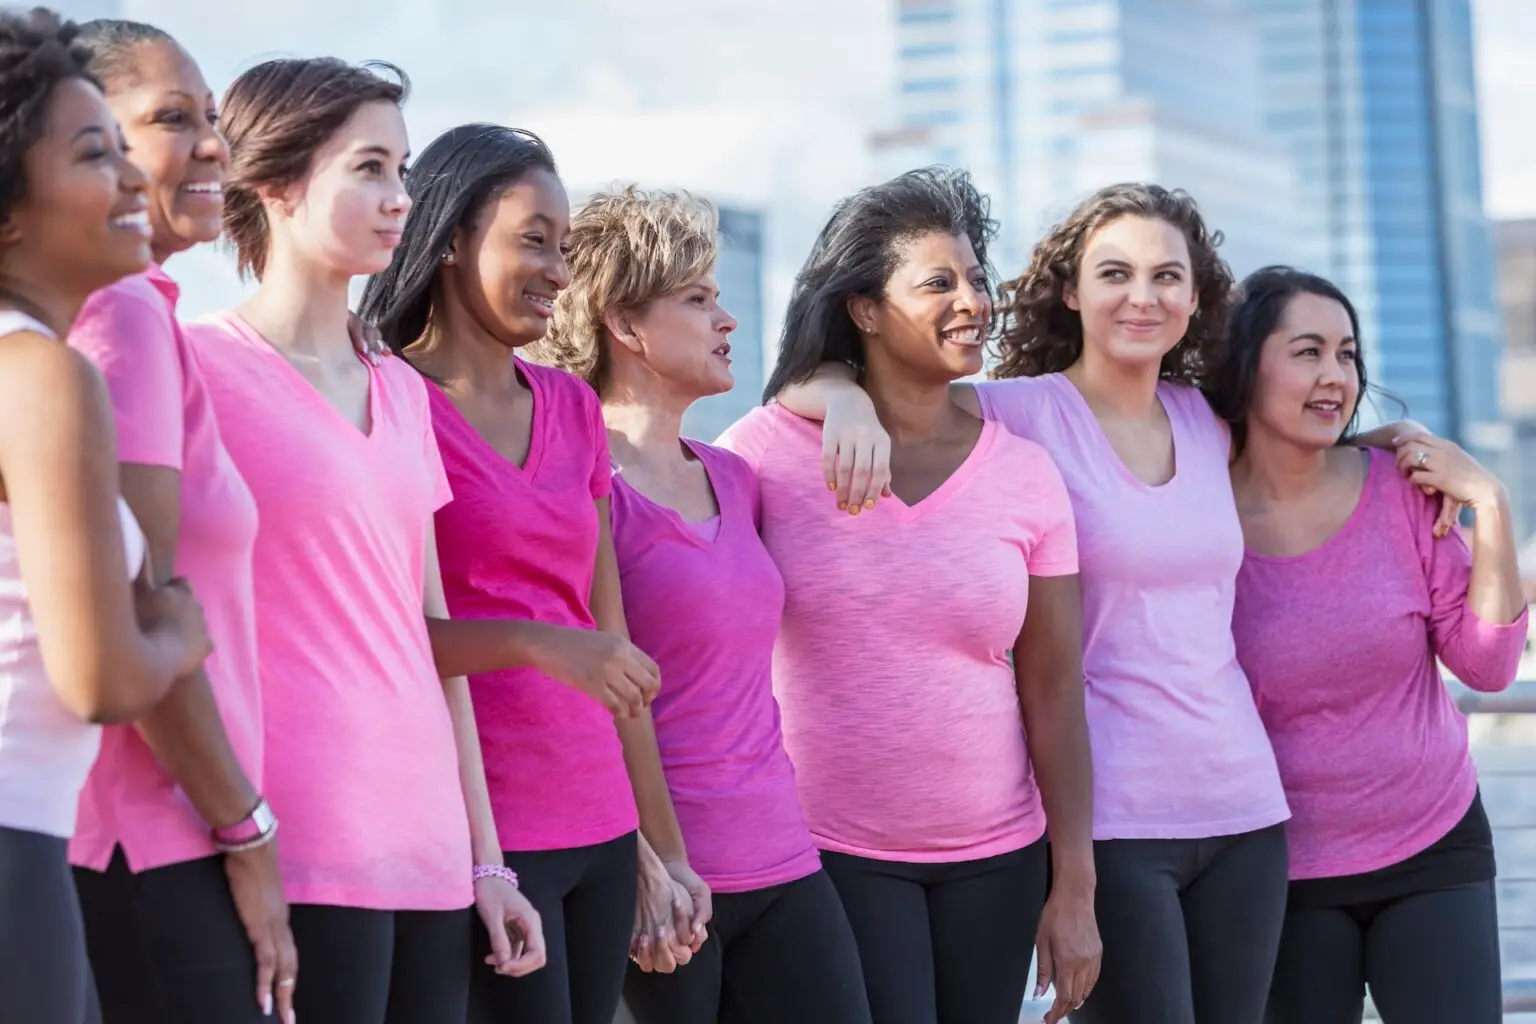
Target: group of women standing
<point>832,722</point>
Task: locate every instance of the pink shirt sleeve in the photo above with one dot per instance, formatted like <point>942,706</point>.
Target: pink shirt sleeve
<point>1483,655</point>
<point>128,332</point>
<point>1055,554</point>
<point>750,436</point>
<point>602,460</point>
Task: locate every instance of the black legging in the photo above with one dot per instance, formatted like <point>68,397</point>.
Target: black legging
<point>1428,957</point>
<point>44,977</point>
<point>586,898</point>
<point>1190,928</point>
<point>782,955</point>
<point>381,966</point>
<point>166,945</point>
<point>944,943</point>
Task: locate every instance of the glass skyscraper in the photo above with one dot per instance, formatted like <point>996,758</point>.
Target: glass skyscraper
<point>1377,103</point>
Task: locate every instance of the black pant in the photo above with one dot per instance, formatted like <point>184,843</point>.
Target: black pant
<point>166,945</point>
<point>1430,956</point>
<point>776,955</point>
<point>586,898</point>
<point>944,943</point>
<point>1190,928</point>
<point>44,976</point>
<point>381,966</point>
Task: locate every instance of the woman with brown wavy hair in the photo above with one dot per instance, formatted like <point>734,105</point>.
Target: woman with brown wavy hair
<point>1117,318</point>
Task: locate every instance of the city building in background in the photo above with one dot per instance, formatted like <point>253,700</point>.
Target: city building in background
<point>1376,100</point>
<point>1045,101</point>
<point>740,276</point>
<point>1515,243</point>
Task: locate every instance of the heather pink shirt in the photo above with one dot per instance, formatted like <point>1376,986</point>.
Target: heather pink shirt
<point>1178,748</point>
<point>164,418</point>
<point>520,542</point>
<point>706,606</point>
<point>1340,646</point>
<point>361,766</point>
<point>892,667</point>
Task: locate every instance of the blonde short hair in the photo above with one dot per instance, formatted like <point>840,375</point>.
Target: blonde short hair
<point>627,249</point>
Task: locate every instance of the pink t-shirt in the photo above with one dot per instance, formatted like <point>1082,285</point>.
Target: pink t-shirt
<point>1178,748</point>
<point>520,542</point>
<point>706,606</point>
<point>164,418</point>
<point>893,669</point>
<point>361,765</point>
<point>1340,646</point>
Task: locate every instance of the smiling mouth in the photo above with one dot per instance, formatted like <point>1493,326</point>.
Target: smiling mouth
<point>545,304</point>
<point>136,222</point>
<point>968,336</point>
<point>1326,408</point>
<point>210,189</point>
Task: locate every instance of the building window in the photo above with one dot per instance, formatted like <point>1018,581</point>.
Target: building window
<point>926,16</point>
<point>920,85</point>
<point>925,51</point>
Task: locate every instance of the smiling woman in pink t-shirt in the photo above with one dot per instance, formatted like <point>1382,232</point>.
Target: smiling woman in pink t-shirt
<point>371,760</point>
<point>528,565</point>
<point>929,663</point>
<point>641,322</point>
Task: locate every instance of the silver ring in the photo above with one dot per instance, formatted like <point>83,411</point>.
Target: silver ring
<point>1423,458</point>
<point>286,983</point>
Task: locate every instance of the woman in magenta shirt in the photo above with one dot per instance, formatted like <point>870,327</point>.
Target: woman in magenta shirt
<point>179,931</point>
<point>928,663</point>
<point>1346,599</point>
<point>528,566</point>
<point>641,322</point>
<point>372,764</point>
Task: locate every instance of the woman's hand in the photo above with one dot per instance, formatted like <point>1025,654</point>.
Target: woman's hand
<point>663,909</point>
<point>1069,952</point>
<point>1450,507</point>
<point>366,339</point>
<point>257,888</point>
<point>1441,466</point>
<point>515,929</point>
<point>609,669</point>
<point>855,452</point>
<point>172,608</point>
<point>700,900</point>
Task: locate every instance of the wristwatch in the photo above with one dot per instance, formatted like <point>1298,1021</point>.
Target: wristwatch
<point>249,831</point>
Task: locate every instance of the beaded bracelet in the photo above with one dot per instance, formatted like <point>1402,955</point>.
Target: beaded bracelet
<point>494,871</point>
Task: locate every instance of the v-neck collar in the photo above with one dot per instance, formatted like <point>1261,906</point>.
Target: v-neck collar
<point>679,524</point>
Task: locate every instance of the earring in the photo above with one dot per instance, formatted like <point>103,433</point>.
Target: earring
<point>448,257</point>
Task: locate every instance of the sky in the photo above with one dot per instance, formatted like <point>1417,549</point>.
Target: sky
<point>754,102</point>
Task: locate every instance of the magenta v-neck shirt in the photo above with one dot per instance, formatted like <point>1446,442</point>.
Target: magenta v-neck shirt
<point>520,542</point>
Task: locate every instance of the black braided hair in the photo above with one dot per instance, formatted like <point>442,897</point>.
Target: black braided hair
<point>38,51</point>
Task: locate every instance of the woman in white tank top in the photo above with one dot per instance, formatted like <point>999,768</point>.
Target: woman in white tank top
<point>78,645</point>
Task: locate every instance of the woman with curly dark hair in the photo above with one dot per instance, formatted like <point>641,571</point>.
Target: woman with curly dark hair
<point>928,784</point>
<point>73,653</point>
<point>1106,335</point>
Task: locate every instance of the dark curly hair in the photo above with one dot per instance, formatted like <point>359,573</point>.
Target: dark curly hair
<point>1041,334</point>
<point>857,252</point>
<point>38,51</point>
<point>276,116</point>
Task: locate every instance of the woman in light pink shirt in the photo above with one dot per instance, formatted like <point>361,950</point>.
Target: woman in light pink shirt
<point>928,664</point>
<point>178,931</point>
<point>74,650</point>
<point>1119,313</point>
<point>1347,598</point>
<point>528,566</point>
<point>641,322</point>
<point>372,764</point>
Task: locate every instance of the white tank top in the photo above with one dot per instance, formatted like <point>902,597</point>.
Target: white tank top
<point>46,751</point>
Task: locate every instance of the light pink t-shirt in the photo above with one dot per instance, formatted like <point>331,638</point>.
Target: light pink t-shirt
<point>520,542</point>
<point>706,603</point>
<point>361,766</point>
<point>165,418</point>
<point>1178,748</point>
<point>901,711</point>
<point>1340,646</point>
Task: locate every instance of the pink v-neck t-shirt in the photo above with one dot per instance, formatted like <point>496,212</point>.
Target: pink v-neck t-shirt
<point>1179,751</point>
<point>361,765</point>
<point>520,542</point>
<point>1340,645</point>
<point>893,663</point>
<point>705,600</point>
<point>165,418</point>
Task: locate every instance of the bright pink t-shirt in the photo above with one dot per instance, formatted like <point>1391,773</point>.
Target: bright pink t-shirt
<point>706,603</point>
<point>361,765</point>
<point>165,418</point>
<point>893,669</point>
<point>520,542</point>
<point>1178,748</point>
<point>1340,646</point>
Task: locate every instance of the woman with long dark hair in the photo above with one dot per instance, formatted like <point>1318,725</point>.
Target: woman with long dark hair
<point>529,570</point>
<point>1346,603</point>
<point>73,651</point>
<point>372,762</point>
<point>935,726</point>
